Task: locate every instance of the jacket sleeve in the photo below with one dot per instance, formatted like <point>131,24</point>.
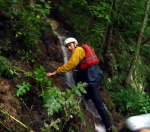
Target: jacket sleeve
<point>75,59</point>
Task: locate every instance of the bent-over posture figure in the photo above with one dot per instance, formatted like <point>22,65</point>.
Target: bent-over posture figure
<point>85,60</point>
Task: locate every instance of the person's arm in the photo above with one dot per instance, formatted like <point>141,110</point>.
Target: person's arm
<point>77,55</point>
<point>51,73</point>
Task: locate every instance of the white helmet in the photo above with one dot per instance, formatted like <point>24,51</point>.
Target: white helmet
<point>69,40</point>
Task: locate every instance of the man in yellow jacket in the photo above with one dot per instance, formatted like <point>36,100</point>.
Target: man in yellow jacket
<point>85,60</point>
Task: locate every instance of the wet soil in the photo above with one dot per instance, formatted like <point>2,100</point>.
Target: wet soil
<point>8,102</point>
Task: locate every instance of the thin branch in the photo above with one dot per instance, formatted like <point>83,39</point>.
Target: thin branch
<point>13,118</point>
<point>29,112</point>
<point>5,126</point>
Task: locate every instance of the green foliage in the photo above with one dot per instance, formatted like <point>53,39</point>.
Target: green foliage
<point>6,68</point>
<point>29,23</point>
<point>132,20</point>
<point>140,73</point>
<point>31,30</point>
<point>144,102</point>
<point>131,102</point>
<point>54,99</point>
<point>115,84</point>
<point>22,89</point>
<point>88,19</point>
<point>66,102</point>
<point>97,32</point>
<point>100,10</point>
<point>40,78</point>
<point>54,124</point>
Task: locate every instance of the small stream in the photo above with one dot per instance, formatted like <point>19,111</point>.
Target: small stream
<point>70,82</point>
<point>69,75</point>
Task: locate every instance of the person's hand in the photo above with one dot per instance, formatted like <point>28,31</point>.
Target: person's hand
<point>51,73</point>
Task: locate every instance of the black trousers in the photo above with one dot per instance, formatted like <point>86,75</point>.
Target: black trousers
<point>93,76</point>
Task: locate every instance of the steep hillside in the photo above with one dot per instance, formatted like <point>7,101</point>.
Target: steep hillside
<point>29,108</point>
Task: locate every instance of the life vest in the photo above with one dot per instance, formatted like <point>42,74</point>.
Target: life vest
<point>89,59</point>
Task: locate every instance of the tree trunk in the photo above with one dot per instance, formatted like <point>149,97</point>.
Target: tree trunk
<point>128,79</point>
<point>105,47</point>
<point>107,38</point>
<point>120,10</point>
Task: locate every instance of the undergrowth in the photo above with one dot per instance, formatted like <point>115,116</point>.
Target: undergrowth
<point>131,101</point>
<point>54,100</point>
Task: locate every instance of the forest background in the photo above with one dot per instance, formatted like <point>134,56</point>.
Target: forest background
<point>118,31</point>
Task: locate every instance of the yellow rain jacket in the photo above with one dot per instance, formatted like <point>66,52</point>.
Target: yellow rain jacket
<point>77,55</point>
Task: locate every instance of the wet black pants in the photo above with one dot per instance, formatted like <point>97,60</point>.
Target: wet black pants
<point>94,94</point>
<point>93,76</point>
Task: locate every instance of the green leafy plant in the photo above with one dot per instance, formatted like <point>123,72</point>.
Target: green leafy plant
<point>66,102</point>
<point>142,105</point>
<point>22,89</point>
<point>54,124</point>
<point>131,101</point>
<point>6,69</point>
<point>100,10</point>
<point>54,100</point>
<point>29,22</point>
